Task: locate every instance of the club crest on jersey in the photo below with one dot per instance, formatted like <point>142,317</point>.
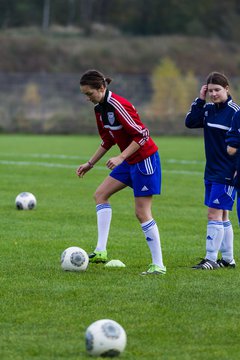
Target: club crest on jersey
<point>206,113</point>
<point>111,117</point>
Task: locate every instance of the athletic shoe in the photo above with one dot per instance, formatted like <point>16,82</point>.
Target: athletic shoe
<point>223,263</point>
<point>206,264</point>
<point>154,270</point>
<point>98,257</point>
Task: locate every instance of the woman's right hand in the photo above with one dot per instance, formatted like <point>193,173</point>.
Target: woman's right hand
<point>203,92</point>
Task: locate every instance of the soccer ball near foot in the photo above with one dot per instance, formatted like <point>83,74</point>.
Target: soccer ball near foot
<point>74,259</point>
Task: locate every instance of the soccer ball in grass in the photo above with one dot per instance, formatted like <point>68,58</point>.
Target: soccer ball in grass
<point>25,201</point>
<point>105,338</point>
<point>74,259</point>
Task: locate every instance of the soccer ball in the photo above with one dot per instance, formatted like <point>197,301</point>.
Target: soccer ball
<point>74,259</point>
<point>105,338</point>
<point>25,201</point>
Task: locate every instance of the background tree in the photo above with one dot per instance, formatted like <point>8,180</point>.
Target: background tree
<point>71,12</point>
<point>172,91</point>
<point>205,18</point>
<point>46,15</point>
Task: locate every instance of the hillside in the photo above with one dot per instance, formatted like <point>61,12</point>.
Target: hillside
<point>28,50</point>
<point>39,75</point>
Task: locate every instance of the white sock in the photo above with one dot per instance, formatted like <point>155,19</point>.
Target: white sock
<point>151,233</point>
<point>214,239</point>
<point>104,217</point>
<point>226,247</point>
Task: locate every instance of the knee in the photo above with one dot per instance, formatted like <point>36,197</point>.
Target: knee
<point>210,217</point>
<point>99,197</point>
<point>138,216</point>
<point>214,216</point>
<point>96,196</point>
<point>142,215</point>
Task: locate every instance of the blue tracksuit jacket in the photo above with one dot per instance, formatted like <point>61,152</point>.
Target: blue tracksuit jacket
<point>216,120</point>
<point>233,139</point>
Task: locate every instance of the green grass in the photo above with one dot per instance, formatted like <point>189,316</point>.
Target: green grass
<point>45,311</point>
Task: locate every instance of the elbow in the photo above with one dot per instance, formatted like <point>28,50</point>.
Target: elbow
<point>188,121</point>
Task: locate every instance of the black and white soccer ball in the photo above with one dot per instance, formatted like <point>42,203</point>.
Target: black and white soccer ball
<point>105,338</point>
<point>25,201</point>
<point>74,258</point>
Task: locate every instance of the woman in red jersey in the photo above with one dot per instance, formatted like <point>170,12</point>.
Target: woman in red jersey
<point>137,165</point>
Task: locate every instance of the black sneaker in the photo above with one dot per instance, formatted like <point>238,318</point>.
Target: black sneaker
<point>206,264</point>
<point>223,263</point>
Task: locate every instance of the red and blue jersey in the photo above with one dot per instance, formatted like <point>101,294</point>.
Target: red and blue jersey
<point>119,123</point>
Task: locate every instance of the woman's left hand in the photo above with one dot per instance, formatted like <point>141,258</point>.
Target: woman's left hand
<point>113,162</point>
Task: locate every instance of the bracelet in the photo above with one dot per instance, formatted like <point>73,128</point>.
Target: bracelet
<point>90,164</point>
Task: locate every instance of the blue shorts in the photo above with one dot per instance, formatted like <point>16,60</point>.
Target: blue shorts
<point>219,196</point>
<point>238,207</point>
<point>144,177</point>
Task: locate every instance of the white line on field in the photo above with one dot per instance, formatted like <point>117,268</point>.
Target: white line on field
<point>44,156</point>
<point>183,172</point>
<point>187,162</point>
<point>63,156</point>
<point>32,163</point>
<point>65,166</point>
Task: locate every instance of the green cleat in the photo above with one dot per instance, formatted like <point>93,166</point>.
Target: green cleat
<point>154,270</point>
<point>98,257</point>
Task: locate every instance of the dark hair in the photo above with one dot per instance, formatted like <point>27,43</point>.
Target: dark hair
<point>218,79</point>
<point>95,79</point>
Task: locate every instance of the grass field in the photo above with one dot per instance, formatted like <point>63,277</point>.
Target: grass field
<point>185,315</point>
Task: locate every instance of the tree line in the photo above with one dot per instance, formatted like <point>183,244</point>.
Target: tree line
<point>207,18</point>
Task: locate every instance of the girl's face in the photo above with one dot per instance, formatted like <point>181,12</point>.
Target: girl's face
<point>217,93</point>
<point>94,95</point>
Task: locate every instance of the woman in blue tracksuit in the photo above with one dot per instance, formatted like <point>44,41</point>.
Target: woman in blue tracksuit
<point>215,118</point>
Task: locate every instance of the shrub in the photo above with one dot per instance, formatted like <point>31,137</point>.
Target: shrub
<point>172,91</point>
